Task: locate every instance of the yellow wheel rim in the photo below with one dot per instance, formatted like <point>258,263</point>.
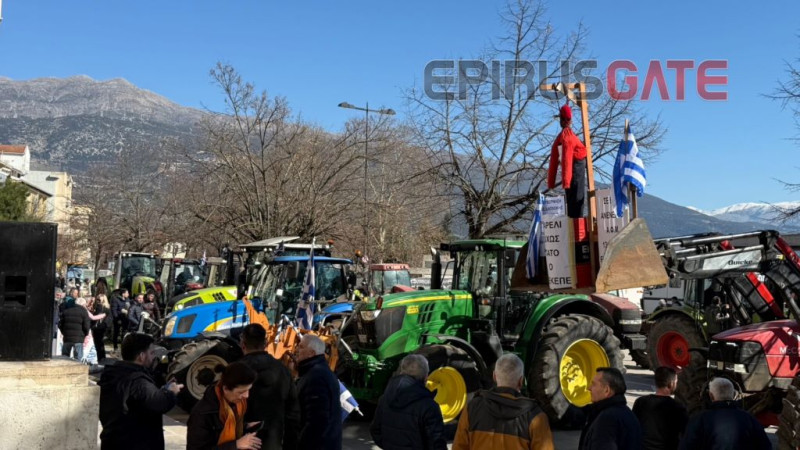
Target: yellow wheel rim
<point>578,366</point>
<point>451,391</point>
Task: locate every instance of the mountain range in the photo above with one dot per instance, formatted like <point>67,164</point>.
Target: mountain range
<point>69,123</point>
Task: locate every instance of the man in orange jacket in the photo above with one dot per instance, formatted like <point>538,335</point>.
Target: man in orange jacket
<point>502,418</point>
<point>573,164</point>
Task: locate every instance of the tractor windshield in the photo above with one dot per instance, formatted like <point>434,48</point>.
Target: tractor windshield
<point>330,284</point>
<point>383,281</point>
<point>138,265</point>
<point>477,272</point>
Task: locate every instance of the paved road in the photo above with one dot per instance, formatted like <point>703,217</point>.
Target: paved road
<point>356,433</point>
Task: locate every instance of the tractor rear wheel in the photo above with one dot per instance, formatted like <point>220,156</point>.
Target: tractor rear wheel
<point>789,420</point>
<point>571,349</point>
<point>454,375</point>
<point>200,373</point>
<point>670,339</point>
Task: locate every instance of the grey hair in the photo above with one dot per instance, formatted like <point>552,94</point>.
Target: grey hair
<point>415,366</point>
<point>508,370</point>
<point>722,389</point>
<point>80,301</point>
<point>314,343</point>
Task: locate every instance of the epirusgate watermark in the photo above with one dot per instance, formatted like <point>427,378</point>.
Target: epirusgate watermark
<point>666,80</point>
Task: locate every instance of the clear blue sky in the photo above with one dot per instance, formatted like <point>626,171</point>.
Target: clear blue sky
<point>318,54</point>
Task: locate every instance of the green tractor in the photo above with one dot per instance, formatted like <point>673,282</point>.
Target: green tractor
<point>562,338</point>
<point>135,272</point>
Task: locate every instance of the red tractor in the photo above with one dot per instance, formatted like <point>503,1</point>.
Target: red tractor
<point>761,359</point>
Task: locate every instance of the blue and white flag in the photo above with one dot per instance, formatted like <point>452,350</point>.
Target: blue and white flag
<point>203,260</point>
<point>534,240</point>
<point>628,171</point>
<point>307,306</point>
<point>348,402</point>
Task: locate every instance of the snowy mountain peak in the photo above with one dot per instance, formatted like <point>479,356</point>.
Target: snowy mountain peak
<point>771,214</point>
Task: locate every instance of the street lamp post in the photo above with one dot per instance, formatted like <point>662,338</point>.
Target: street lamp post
<point>388,112</point>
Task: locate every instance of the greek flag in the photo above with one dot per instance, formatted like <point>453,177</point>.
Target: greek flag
<point>203,260</point>
<point>534,240</point>
<point>306,305</point>
<point>349,404</point>
<point>628,171</point>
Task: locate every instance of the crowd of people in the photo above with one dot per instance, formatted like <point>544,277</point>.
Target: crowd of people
<point>82,324</point>
<point>257,404</point>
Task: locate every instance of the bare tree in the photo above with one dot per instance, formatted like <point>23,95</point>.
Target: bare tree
<point>788,93</point>
<point>489,142</point>
<point>262,173</point>
<point>122,205</point>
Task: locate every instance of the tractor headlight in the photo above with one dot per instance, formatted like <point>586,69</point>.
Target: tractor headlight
<point>370,315</point>
<point>169,328</point>
<point>179,306</point>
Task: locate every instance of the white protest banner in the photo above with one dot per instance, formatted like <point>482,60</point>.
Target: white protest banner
<point>608,224</point>
<point>558,239</point>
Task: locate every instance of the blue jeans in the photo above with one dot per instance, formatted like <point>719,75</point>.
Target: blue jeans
<point>76,346</point>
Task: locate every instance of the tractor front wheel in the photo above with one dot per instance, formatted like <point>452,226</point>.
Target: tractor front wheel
<point>199,374</point>
<point>454,375</point>
<point>670,339</point>
<point>789,420</point>
<point>570,351</point>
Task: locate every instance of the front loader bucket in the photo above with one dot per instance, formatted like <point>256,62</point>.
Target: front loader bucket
<point>631,260</point>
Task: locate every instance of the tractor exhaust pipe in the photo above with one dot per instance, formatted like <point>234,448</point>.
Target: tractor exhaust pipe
<point>436,269</point>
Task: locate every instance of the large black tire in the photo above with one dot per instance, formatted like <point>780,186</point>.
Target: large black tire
<point>544,378</point>
<point>692,389</point>
<point>789,420</point>
<point>641,358</point>
<point>665,331</point>
<point>440,356</point>
<point>202,372</point>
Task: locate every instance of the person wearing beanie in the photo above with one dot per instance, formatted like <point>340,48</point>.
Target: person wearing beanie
<point>573,164</point>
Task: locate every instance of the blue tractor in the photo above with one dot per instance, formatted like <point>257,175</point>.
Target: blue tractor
<point>203,339</point>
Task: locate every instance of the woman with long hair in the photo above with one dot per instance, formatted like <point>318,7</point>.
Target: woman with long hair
<point>100,307</point>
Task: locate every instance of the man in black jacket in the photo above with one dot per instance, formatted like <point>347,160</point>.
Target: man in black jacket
<point>724,425</point>
<point>135,313</point>
<point>75,325</point>
<point>610,423</point>
<point>131,405</point>
<point>273,397</point>
<point>318,393</point>
<point>119,311</point>
<point>662,418</point>
<point>407,417</point>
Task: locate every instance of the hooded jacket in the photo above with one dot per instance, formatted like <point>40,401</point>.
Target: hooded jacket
<point>611,424</point>
<point>320,409</point>
<point>502,418</point>
<point>131,408</point>
<point>273,400</point>
<point>407,417</point>
<point>725,426</point>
